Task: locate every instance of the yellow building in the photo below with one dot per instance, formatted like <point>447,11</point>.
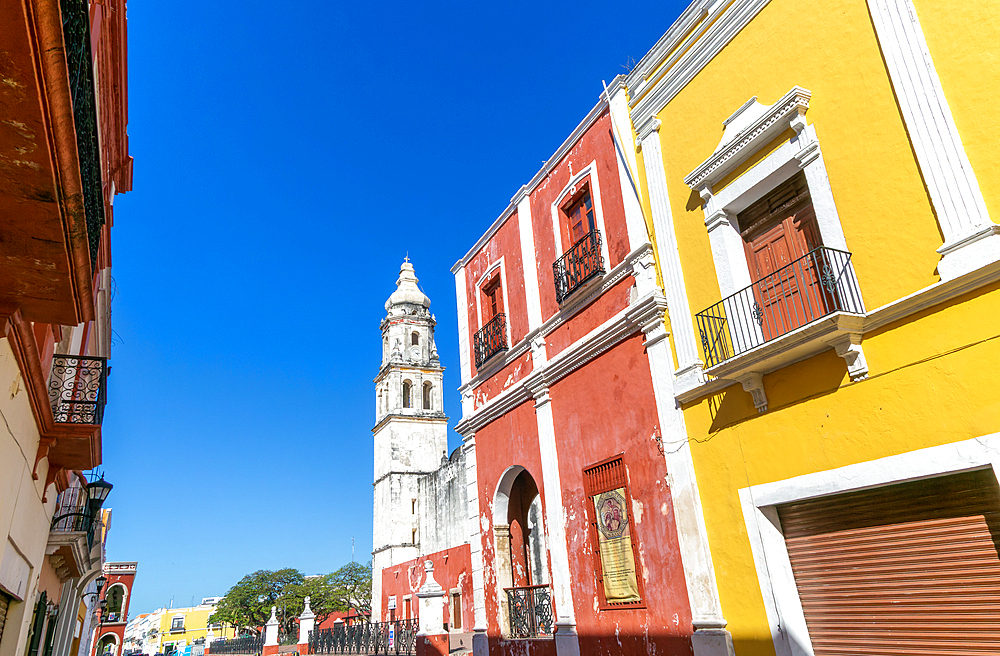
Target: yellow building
<point>821,184</point>
<point>169,630</point>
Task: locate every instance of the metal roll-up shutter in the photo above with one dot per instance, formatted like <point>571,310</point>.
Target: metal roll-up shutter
<point>900,570</point>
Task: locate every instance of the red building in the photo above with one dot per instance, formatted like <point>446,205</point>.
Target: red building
<point>109,636</point>
<point>577,547</point>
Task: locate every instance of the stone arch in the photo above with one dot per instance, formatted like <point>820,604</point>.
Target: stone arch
<point>116,595</point>
<point>428,395</point>
<point>519,537</point>
<point>108,645</point>
<point>414,338</point>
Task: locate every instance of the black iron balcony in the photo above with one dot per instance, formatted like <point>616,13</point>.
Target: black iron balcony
<point>491,339</point>
<point>530,611</point>
<point>81,521</point>
<point>582,262</point>
<point>817,284</point>
<point>76,32</point>
<point>78,389</point>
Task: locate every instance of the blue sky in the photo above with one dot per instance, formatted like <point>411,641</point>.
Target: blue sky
<point>287,156</point>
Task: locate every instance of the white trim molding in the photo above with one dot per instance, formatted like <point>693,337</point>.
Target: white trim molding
<point>971,238</point>
<point>767,543</point>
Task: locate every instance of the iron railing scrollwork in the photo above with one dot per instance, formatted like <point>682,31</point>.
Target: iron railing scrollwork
<point>817,284</point>
<point>76,34</point>
<point>78,389</point>
<point>396,638</point>
<point>248,644</point>
<point>491,339</point>
<point>530,611</point>
<point>582,262</point>
<point>76,522</point>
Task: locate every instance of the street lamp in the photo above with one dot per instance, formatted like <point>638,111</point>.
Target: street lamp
<point>98,491</point>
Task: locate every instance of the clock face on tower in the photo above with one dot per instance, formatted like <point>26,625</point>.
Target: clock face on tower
<point>414,353</point>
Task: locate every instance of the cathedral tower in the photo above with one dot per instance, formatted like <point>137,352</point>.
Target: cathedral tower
<point>411,429</point>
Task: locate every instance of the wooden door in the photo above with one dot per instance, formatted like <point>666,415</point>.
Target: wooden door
<point>780,231</point>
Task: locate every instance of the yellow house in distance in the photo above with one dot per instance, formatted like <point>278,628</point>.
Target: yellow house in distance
<point>169,630</point>
<point>820,182</point>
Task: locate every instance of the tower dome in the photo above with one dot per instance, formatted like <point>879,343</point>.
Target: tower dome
<point>407,290</point>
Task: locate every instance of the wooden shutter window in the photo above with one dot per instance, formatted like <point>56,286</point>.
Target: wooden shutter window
<point>901,570</point>
<point>605,476</point>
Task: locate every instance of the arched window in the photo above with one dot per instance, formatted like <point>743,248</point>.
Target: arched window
<point>415,339</point>
<point>115,597</point>
<point>406,393</point>
<point>427,395</point>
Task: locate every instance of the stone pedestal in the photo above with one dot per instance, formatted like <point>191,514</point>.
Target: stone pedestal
<point>566,637</point>
<point>271,634</point>
<point>307,621</point>
<point>480,642</point>
<point>432,639</point>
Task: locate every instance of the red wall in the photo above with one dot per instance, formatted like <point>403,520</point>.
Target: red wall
<point>452,569</point>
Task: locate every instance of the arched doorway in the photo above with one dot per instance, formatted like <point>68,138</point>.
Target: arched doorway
<point>107,645</point>
<point>521,561</point>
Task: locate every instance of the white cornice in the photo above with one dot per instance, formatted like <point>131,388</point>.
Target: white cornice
<point>773,120</point>
<point>627,322</point>
<point>574,136</point>
<point>718,29</point>
<point>638,77</point>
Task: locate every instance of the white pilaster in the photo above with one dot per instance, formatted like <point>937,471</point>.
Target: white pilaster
<point>432,598</point>
<point>689,365</point>
<point>628,169</point>
<point>528,262</point>
<point>971,239</point>
<point>710,637</point>
<point>463,324</point>
<point>307,621</point>
<point>555,522</point>
<point>475,533</point>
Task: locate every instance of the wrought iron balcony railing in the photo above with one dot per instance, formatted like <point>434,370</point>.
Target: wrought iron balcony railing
<point>78,389</point>
<point>76,33</point>
<point>817,284</point>
<point>530,611</point>
<point>491,339</point>
<point>582,262</point>
<point>76,522</point>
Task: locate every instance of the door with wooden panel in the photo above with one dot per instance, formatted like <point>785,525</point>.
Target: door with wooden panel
<point>903,570</point>
<point>779,230</point>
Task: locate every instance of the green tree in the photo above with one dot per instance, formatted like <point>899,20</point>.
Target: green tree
<point>352,586</point>
<point>323,598</point>
<point>247,605</point>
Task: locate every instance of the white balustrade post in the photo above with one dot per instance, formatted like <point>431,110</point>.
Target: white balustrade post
<point>307,620</point>
<point>271,629</point>
<point>432,639</point>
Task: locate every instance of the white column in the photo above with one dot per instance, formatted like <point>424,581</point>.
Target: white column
<point>668,255</point>
<point>307,620</point>
<point>528,262</point>
<point>463,324</point>
<point>271,629</point>
<point>475,535</point>
<point>628,170</point>
<point>567,641</point>
<point>710,637</point>
<point>971,239</point>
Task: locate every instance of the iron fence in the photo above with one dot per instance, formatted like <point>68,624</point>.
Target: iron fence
<point>397,638</point>
<point>78,389</point>
<point>247,644</point>
<point>76,34</point>
<point>579,264</point>
<point>530,611</point>
<point>817,284</point>
<point>491,339</point>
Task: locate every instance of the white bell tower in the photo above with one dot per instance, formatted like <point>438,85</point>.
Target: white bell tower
<point>411,429</point>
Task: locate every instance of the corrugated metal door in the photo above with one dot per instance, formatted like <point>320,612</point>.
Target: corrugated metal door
<point>900,570</point>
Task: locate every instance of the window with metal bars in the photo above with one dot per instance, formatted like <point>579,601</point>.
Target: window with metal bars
<point>609,476</point>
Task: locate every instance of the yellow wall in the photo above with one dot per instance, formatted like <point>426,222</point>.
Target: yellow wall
<point>195,625</point>
<point>932,379</point>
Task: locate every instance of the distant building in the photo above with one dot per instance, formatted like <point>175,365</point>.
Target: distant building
<point>167,630</point>
<point>420,507</point>
<point>109,636</point>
